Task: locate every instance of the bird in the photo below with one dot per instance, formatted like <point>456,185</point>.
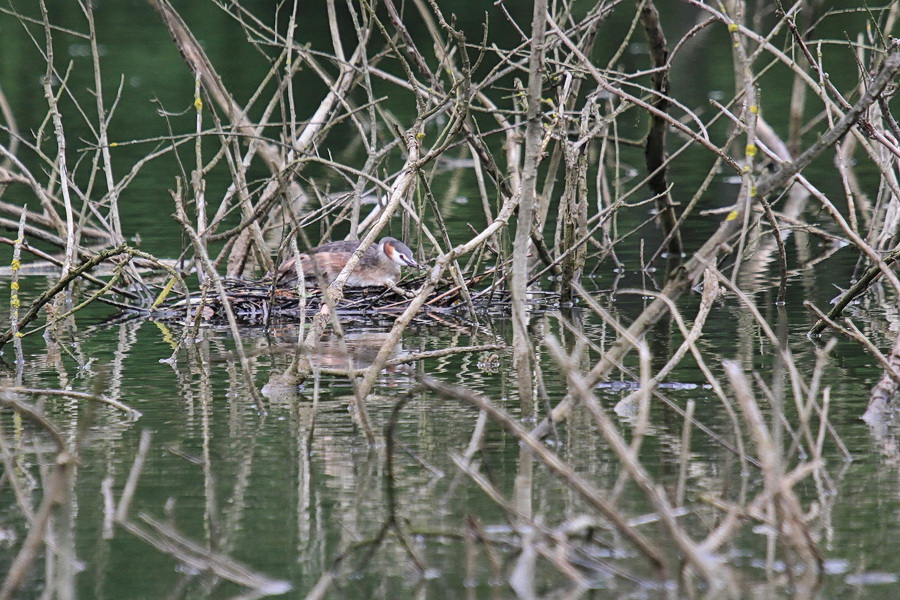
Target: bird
<point>378,266</point>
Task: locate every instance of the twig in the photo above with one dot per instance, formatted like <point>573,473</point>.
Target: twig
<point>573,480</point>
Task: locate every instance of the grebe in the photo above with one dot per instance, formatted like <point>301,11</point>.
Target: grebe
<point>379,266</point>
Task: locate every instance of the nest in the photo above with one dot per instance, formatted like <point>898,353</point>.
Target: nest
<point>261,302</point>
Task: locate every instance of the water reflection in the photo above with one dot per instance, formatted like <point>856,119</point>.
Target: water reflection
<point>297,495</point>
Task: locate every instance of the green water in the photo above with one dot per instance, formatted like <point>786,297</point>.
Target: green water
<point>295,493</point>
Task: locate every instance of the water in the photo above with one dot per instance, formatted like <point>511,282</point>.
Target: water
<point>289,491</point>
<point>293,494</point>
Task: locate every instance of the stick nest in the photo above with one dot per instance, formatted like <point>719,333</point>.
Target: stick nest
<point>261,302</point>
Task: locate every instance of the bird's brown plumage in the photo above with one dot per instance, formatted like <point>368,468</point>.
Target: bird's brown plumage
<point>379,265</point>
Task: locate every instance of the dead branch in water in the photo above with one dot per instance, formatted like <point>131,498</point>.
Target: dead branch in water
<point>398,115</point>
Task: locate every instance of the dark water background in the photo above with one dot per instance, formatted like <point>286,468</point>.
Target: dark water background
<point>284,501</point>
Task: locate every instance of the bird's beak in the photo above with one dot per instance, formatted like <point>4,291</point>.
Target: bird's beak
<point>408,261</point>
